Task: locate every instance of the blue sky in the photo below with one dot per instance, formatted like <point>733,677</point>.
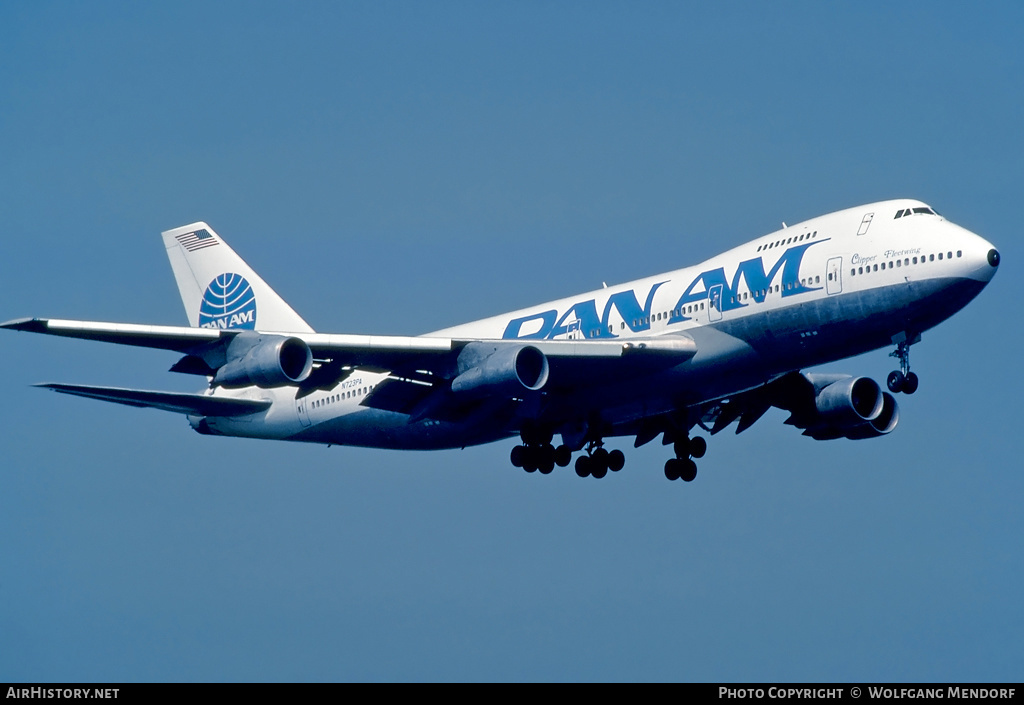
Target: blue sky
<point>402,167</point>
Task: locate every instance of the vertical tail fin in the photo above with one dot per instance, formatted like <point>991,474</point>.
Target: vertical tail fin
<point>219,290</point>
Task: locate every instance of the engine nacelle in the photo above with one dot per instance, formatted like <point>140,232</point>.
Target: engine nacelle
<point>850,407</point>
<point>882,424</point>
<point>507,370</point>
<point>849,402</point>
<point>266,361</point>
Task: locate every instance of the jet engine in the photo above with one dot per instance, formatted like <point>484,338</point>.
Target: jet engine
<point>266,361</point>
<point>849,402</point>
<point>506,369</point>
<point>882,424</point>
<point>851,407</point>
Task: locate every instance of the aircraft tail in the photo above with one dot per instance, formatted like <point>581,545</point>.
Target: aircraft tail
<point>219,290</point>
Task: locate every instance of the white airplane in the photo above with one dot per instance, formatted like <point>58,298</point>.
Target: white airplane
<point>704,346</point>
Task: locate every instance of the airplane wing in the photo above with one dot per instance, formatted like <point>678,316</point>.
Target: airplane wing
<point>388,352</point>
<point>424,370</point>
<point>823,406</point>
<point>176,338</point>
<point>166,401</point>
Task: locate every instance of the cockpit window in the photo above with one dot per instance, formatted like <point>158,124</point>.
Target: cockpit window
<point>916,211</point>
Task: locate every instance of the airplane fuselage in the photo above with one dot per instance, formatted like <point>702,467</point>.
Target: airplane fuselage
<point>815,292</point>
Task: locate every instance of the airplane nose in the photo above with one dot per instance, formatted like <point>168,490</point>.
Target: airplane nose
<point>993,258</point>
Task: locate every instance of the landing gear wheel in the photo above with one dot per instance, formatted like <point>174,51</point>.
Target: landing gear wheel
<point>698,447</point>
<point>672,469</point>
<point>896,381</point>
<point>563,456</point>
<point>517,455</point>
<point>546,459</point>
<point>599,463</point>
<point>910,383</point>
<point>583,466</point>
<point>531,459</point>
<point>616,460</point>
<point>688,470</point>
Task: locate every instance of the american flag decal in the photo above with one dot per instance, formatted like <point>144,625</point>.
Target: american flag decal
<point>197,240</point>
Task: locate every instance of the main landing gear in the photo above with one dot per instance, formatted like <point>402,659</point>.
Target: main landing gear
<point>532,458</point>
<point>682,467</point>
<point>598,461</point>
<point>902,380</point>
<point>537,453</point>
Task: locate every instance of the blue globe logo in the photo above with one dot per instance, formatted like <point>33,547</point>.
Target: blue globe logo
<point>229,302</point>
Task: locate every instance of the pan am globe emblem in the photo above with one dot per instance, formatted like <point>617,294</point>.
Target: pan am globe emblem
<point>229,302</point>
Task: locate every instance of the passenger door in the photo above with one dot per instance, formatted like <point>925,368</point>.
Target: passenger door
<point>834,276</point>
<point>715,303</point>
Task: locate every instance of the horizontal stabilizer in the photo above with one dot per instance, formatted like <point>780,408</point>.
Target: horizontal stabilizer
<point>198,404</point>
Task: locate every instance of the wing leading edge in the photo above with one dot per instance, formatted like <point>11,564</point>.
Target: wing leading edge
<point>405,352</point>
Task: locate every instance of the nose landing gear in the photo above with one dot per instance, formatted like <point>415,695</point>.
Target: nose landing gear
<point>903,380</point>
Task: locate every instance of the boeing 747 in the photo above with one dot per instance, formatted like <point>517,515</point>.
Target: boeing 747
<point>695,348</point>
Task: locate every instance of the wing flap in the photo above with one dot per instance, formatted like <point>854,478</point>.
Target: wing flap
<point>398,395</point>
<point>166,401</point>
